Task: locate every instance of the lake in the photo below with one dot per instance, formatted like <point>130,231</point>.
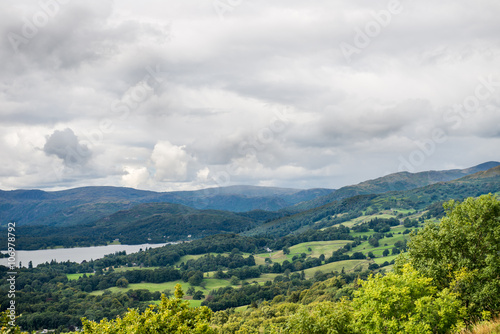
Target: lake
<point>77,254</point>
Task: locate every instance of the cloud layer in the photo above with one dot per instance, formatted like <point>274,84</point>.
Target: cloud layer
<point>172,95</point>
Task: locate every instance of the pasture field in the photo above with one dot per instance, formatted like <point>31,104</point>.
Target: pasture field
<point>317,248</point>
<point>211,283</point>
<point>365,218</point>
<point>122,269</point>
<point>348,265</point>
<point>262,279</point>
<point>74,277</point>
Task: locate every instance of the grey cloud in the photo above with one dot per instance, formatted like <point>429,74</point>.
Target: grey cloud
<point>219,74</point>
<point>65,145</point>
<point>78,33</point>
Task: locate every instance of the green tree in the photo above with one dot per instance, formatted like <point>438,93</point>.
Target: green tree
<point>178,293</point>
<point>462,253</point>
<point>235,280</point>
<point>122,282</point>
<point>7,323</point>
<point>319,318</point>
<point>405,303</point>
<point>196,279</point>
<point>170,316</point>
<point>190,291</point>
<point>198,295</point>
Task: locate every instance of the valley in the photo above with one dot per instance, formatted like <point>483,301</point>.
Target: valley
<point>227,260</point>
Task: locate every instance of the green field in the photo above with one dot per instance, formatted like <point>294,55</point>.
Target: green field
<point>348,265</point>
<point>241,308</point>
<point>122,269</point>
<point>311,249</point>
<point>317,248</point>
<point>211,283</point>
<point>72,277</point>
<point>363,219</point>
<point>186,258</point>
<point>389,258</point>
<point>262,279</point>
<point>194,303</point>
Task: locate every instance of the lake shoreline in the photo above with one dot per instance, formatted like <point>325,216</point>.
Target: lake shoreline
<point>74,254</point>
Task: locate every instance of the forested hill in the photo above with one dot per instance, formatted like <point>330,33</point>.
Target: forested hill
<point>393,182</point>
<point>143,223</point>
<point>89,204</point>
<point>429,197</point>
<point>163,222</point>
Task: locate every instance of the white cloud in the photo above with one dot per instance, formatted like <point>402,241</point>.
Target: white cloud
<point>170,162</point>
<point>135,177</point>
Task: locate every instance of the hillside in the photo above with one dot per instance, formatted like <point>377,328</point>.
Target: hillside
<point>89,204</point>
<point>393,182</point>
<point>493,172</point>
<point>143,223</point>
<point>162,222</point>
<point>99,215</point>
<point>419,199</point>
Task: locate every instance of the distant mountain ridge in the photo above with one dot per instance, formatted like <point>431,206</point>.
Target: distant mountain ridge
<point>421,198</point>
<point>393,182</point>
<point>88,204</point>
<point>98,215</point>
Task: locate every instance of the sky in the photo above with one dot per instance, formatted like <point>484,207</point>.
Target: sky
<point>180,95</point>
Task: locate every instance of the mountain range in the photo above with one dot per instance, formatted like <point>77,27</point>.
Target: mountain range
<point>98,215</point>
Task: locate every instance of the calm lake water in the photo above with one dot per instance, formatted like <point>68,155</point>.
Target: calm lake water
<point>77,254</point>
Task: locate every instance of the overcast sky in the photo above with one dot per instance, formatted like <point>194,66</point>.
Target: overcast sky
<point>177,95</point>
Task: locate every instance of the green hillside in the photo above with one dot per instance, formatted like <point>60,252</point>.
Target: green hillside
<point>143,223</point>
<point>394,182</point>
<point>418,199</point>
<point>88,204</point>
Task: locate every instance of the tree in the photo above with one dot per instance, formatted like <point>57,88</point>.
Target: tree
<point>286,250</point>
<point>178,293</point>
<point>190,291</point>
<point>171,316</point>
<point>198,295</point>
<point>196,279</point>
<point>386,252</point>
<point>373,241</point>
<point>8,323</point>
<point>405,303</point>
<point>235,280</point>
<point>122,282</point>
<point>461,252</point>
<point>325,317</point>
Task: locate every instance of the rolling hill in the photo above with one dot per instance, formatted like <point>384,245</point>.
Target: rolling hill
<point>89,204</point>
<point>418,199</point>
<point>142,223</point>
<point>99,215</point>
<point>393,182</point>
